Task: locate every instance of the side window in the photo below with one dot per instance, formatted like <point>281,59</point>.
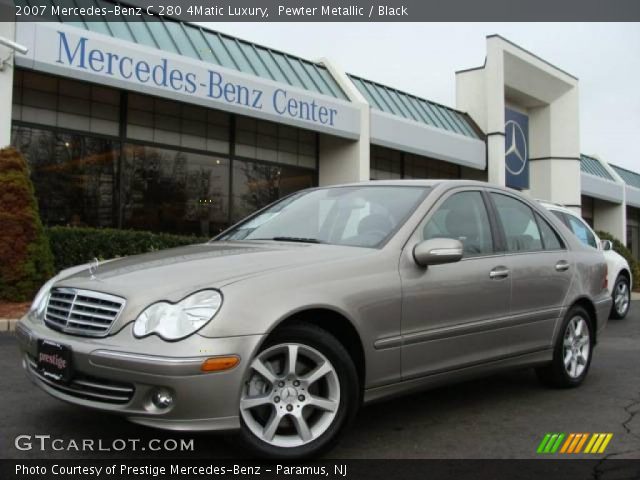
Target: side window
<point>550,238</point>
<point>463,216</point>
<point>561,216</point>
<point>582,231</point>
<point>519,224</point>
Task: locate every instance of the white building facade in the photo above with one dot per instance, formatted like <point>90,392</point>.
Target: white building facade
<point>166,126</point>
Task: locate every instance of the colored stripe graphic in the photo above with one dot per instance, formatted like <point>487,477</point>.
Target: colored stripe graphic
<point>550,443</point>
<point>573,443</point>
<point>598,442</point>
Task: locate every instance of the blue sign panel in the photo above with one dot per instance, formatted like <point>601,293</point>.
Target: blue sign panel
<point>516,133</point>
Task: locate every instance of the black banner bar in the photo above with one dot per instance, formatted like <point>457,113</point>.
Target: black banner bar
<point>548,469</point>
<point>322,10</point>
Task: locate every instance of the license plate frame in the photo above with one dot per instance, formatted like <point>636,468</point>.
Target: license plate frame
<point>54,361</point>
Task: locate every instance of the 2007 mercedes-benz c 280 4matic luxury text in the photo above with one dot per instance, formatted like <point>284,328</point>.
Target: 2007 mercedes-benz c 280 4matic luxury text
<point>285,323</point>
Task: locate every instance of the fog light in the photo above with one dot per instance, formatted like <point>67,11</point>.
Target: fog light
<point>162,398</point>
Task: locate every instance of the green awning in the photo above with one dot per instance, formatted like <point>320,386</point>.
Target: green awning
<point>411,107</point>
<point>630,178</point>
<point>592,166</point>
<point>193,41</point>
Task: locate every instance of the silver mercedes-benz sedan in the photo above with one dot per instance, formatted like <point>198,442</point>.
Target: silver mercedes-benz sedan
<point>283,325</point>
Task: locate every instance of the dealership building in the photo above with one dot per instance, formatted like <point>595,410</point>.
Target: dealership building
<point>166,126</point>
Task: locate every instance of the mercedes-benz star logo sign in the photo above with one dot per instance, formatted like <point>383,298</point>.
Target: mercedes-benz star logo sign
<point>93,268</point>
<point>516,154</point>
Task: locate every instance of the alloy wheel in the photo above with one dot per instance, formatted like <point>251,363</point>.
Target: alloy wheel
<point>576,346</point>
<point>291,396</point>
<point>621,298</point>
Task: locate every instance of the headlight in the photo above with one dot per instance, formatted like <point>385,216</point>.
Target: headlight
<point>36,311</point>
<point>175,321</point>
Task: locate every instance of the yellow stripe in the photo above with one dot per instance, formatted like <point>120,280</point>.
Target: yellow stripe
<point>574,443</point>
<point>591,442</point>
<point>567,442</point>
<point>584,439</point>
<point>598,442</point>
<point>605,443</point>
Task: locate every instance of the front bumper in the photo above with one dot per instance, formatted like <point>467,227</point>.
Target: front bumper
<point>120,373</point>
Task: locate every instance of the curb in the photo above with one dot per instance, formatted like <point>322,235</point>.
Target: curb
<point>8,324</point>
<point>635,295</point>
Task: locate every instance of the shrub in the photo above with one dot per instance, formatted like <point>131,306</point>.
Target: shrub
<point>25,257</point>
<point>78,245</point>
<point>619,247</point>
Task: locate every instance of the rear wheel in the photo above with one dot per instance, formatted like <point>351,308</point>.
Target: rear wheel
<point>621,298</point>
<point>300,392</point>
<point>572,352</point>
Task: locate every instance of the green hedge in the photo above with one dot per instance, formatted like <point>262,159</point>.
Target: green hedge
<point>77,245</point>
<point>619,247</point>
<point>25,258</point>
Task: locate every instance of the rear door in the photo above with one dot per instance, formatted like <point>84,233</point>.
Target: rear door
<point>540,267</point>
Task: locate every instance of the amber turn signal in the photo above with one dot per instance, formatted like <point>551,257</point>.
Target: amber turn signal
<point>218,364</point>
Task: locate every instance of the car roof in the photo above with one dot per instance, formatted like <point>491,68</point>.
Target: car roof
<point>555,206</point>
<point>414,183</point>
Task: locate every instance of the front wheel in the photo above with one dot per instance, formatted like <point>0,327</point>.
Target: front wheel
<point>572,352</point>
<point>621,298</point>
<point>301,391</point>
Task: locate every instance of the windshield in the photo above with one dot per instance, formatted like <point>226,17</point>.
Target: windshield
<point>356,216</point>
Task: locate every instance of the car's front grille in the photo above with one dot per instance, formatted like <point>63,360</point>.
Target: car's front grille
<point>82,312</point>
<point>88,388</point>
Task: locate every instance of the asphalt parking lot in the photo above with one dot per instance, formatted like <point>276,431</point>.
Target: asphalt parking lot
<point>504,416</point>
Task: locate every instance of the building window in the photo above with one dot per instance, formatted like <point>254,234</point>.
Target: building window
<point>74,175</point>
<point>167,122</point>
<point>588,205</point>
<point>256,185</point>
<point>64,103</point>
<point>386,164</point>
<point>173,191</point>
<point>422,167</point>
<point>271,142</point>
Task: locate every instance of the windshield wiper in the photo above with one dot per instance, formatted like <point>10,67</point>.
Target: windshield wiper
<point>296,239</point>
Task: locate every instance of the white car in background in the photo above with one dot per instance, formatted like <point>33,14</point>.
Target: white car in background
<point>619,280</point>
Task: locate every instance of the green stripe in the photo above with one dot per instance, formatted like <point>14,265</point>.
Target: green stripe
<point>550,443</point>
<point>558,442</point>
<point>543,443</point>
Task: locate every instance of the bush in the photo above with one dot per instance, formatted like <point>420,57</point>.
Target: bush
<point>619,247</point>
<point>78,245</point>
<point>25,258</point>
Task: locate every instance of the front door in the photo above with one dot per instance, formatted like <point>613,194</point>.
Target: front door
<point>451,312</point>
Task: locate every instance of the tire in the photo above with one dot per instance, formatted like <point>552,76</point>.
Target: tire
<point>272,393</point>
<point>621,297</point>
<point>569,366</point>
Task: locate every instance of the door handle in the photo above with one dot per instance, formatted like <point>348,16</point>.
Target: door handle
<point>499,272</point>
<point>562,266</point>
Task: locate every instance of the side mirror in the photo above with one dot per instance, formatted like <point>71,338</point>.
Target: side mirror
<point>437,251</point>
<point>606,245</point>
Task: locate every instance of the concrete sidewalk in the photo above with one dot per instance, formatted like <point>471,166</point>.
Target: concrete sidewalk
<point>8,324</point>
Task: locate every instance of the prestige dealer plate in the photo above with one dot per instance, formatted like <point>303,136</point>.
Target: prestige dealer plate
<point>54,360</point>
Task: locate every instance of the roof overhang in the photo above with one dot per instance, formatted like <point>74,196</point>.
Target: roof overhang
<point>632,196</point>
<point>391,131</point>
<point>602,189</point>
